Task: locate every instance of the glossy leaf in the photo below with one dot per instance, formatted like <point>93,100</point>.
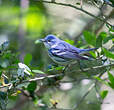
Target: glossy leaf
<point>38,71</point>
<point>104,94</point>
<point>108,53</point>
<point>111,85</point>
<point>111,78</point>
<point>107,39</point>
<point>100,38</point>
<point>70,41</point>
<point>90,38</point>
<point>99,42</point>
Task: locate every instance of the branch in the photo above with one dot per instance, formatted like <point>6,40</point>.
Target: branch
<point>57,75</point>
<point>52,76</point>
<point>77,8</point>
<point>88,91</point>
<point>95,67</point>
<point>35,79</point>
<point>80,101</point>
<point>40,78</point>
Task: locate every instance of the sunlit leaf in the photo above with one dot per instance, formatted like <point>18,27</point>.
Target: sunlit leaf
<point>90,38</point>
<point>111,78</point>
<point>104,94</point>
<point>100,38</point>
<point>23,69</point>
<point>59,68</point>
<point>108,53</point>
<point>38,71</point>
<point>93,54</point>
<point>70,41</point>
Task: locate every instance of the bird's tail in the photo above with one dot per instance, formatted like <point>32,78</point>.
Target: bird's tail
<point>82,51</point>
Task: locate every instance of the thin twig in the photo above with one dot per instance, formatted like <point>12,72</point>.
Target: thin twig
<point>88,91</point>
<point>81,100</point>
<point>95,67</point>
<point>40,78</point>
<point>97,93</point>
<point>75,7</point>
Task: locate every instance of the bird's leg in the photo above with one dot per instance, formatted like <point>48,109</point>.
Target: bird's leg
<point>80,65</point>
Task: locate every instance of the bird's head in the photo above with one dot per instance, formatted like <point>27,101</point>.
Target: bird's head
<point>49,41</point>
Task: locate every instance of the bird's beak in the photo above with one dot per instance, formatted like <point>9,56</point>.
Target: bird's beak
<point>42,40</point>
<point>39,41</point>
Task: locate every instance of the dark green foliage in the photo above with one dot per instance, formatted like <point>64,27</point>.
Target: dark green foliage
<point>100,39</point>
<point>27,59</point>
<point>108,53</point>
<point>104,94</point>
<point>32,86</point>
<point>107,39</point>
<point>90,38</point>
<point>45,82</point>
<point>111,80</point>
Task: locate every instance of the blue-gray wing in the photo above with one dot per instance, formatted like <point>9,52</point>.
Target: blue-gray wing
<point>66,51</point>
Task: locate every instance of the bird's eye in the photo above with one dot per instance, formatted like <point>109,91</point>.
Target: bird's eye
<point>49,40</point>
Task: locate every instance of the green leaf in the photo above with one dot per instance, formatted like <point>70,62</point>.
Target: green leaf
<point>27,59</point>
<point>77,3</point>
<point>111,29</point>
<point>111,85</point>
<point>38,71</point>
<point>103,35</point>
<point>70,41</point>
<point>90,38</point>
<point>93,54</point>
<point>108,53</point>
<point>104,94</point>
<point>107,39</point>
<point>100,38</point>
<point>99,42</point>
<point>111,78</point>
<point>32,86</point>
<point>0,73</point>
<point>59,68</point>
<point>98,78</point>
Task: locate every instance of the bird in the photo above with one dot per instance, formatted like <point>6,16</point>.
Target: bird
<point>62,52</point>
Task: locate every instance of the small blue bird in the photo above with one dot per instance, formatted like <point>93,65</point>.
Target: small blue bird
<point>62,52</point>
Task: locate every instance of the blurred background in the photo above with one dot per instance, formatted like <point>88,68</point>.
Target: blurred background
<point>22,22</point>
